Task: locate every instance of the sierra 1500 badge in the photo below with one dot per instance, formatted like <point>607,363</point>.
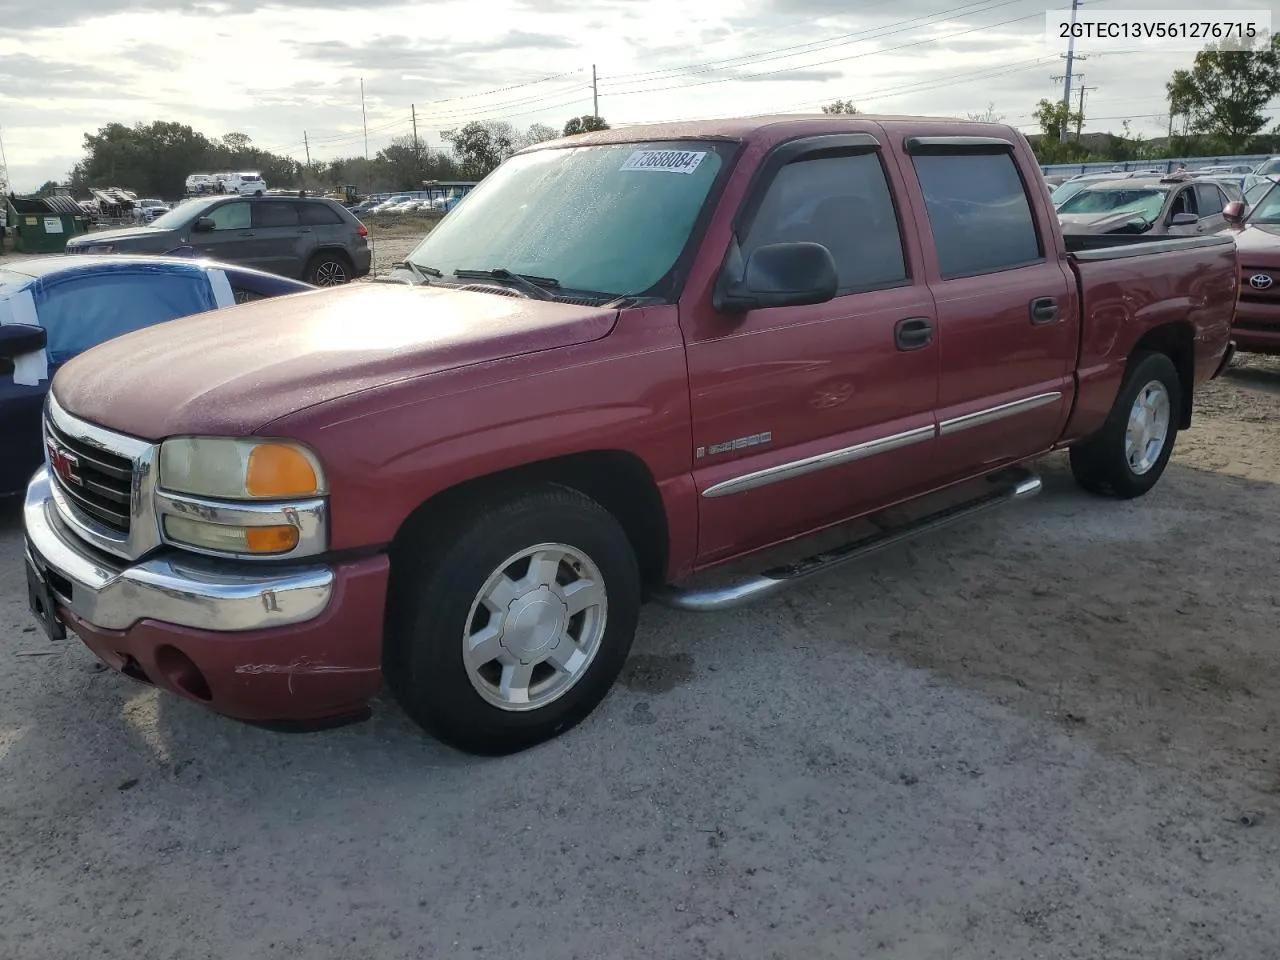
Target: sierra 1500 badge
<point>755,440</point>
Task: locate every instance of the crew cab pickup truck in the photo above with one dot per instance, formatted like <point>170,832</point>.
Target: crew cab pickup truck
<point>631,356</point>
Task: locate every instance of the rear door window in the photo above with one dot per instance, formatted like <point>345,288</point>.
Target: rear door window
<point>274,213</point>
<point>978,213</point>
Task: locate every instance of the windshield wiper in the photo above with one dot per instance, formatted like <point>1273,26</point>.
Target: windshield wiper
<point>534,286</point>
<point>422,273</point>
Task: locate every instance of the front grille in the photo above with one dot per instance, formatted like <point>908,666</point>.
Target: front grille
<point>103,492</point>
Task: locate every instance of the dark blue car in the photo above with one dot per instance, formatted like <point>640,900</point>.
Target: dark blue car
<point>53,308</point>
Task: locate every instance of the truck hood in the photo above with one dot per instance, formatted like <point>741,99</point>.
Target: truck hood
<point>230,372</point>
<point>1091,223</point>
<point>1254,239</point>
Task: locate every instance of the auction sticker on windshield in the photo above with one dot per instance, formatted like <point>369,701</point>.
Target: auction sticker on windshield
<point>666,161</point>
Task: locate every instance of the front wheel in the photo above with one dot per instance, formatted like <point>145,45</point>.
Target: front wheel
<point>1129,454</point>
<point>510,622</point>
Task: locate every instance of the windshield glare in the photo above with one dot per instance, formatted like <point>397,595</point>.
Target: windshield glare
<point>610,219</point>
<point>178,216</point>
<point>1145,203</point>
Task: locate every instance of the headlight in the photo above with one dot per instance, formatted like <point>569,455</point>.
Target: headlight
<point>227,469</point>
<point>244,498</point>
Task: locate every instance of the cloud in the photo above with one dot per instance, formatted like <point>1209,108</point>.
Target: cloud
<point>279,69</point>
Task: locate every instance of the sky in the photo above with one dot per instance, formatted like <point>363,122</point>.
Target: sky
<point>279,70</point>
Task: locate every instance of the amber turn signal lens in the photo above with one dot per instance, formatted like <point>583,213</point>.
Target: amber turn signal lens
<point>277,470</point>
<point>270,539</point>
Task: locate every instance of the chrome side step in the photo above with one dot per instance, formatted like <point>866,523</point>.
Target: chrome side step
<point>1013,484</point>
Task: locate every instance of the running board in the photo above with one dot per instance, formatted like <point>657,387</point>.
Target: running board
<point>1014,484</point>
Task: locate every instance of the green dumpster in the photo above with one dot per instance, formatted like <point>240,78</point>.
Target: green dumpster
<point>44,224</point>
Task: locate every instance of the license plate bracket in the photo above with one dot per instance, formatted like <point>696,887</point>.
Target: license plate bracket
<point>40,599</point>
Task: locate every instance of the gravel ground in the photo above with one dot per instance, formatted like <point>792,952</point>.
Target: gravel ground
<point>1049,733</point>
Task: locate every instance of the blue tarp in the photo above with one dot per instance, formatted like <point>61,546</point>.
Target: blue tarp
<point>83,306</point>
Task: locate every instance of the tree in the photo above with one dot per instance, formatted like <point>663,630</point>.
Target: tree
<point>1053,116</point>
<point>47,189</point>
<point>584,124</point>
<point>844,107</point>
<point>481,146</point>
<point>988,115</point>
<point>236,142</point>
<point>538,133</point>
<point>1224,93</point>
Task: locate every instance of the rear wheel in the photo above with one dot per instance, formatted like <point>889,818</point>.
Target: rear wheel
<point>510,622</point>
<point>328,270</point>
<point>1127,457</point>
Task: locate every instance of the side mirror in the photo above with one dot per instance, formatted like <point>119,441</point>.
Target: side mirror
<point>1234,211</point>
<point>792,274</point>
<point>202,225</point>
<point>1183,220</point>
<point>19,338</point>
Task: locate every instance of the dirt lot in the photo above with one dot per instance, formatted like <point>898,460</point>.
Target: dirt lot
<point>1050,733</point>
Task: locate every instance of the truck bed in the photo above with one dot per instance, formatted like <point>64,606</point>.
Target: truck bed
<point>1129,285</point>
<point>1111,246</point>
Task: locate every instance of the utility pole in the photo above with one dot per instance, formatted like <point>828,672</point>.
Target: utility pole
<point>595,93</point>
<point>1080,113</point>
<point>307,169</point>
<point>4,176</point>
<point>1071,60</point>
<point>413,113</point>
<point>364,119</point>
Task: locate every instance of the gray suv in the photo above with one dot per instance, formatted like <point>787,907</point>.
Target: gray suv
<point>308,238</point>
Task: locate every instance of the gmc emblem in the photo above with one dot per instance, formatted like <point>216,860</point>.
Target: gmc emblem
<point>65,464</point>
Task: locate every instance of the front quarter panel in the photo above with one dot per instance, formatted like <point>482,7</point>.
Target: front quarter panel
<point>390,449</point>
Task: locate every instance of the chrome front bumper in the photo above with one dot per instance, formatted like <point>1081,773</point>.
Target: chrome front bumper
<point>187,591</point>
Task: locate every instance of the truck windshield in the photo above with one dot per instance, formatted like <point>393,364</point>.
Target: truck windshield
<point>1145,203</point>
<point>1268,208</point>
<point>609,219</point>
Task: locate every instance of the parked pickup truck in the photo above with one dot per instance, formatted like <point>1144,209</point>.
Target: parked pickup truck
<point>1257,237</point>
<point>629,357</point>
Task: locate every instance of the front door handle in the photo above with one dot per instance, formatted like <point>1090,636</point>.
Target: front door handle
<point>1043,310</point>
<point>913,333</point>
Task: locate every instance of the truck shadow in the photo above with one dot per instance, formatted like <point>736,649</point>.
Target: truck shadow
<point>1146,626</point>
<point>1252,370</point>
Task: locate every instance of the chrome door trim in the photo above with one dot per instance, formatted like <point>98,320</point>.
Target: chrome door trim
<point>821,461</point>
<point>992,414</point>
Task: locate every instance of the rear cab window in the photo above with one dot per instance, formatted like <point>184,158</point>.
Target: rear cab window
<point>978,210</point>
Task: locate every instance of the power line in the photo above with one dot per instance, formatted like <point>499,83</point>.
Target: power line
<point>821,63</point>
<point>858,36</point>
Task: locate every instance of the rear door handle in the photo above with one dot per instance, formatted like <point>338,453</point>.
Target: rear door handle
<point>1043,310</point>
<point>913,333</point>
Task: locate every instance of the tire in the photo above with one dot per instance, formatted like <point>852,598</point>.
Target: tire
<point>1106,464</point>
<point>328,270</point>
<point>443,601</point>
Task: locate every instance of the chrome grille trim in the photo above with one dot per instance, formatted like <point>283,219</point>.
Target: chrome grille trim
<point>143,533</point>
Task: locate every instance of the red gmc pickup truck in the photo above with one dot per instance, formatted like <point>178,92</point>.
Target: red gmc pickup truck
<point>626,358</point>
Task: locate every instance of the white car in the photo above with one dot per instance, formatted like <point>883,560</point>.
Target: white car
<point>147,210</point>
<point>245,184</point>
<point>202,183</point>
